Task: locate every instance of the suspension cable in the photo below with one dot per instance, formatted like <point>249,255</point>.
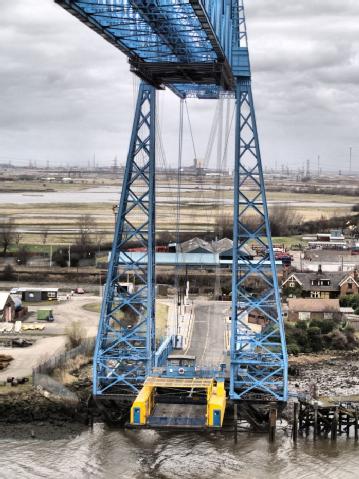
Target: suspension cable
<point>178,210</point>
<point>190,129</point>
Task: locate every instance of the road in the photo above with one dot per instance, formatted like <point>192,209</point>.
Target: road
<point>207,342</point>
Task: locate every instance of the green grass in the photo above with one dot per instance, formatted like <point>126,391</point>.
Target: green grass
<point>92,307</point>
<point>288,241</point>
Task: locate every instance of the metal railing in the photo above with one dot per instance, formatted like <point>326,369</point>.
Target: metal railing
<point>86,348</point>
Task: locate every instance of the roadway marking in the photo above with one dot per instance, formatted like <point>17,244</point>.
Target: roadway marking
<point>191,330</point>
<point>207,336</point>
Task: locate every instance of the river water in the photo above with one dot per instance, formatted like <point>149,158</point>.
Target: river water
<point>110,454</point>
<point>111,194</point>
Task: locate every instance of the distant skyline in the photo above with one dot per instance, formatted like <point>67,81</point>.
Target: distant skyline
<point>66,94</point>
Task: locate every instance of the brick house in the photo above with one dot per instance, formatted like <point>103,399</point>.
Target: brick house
<point>306,309</point>
<point>321,285</point>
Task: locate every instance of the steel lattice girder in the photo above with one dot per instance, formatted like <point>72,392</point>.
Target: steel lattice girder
<point>258,359</point>
<point>125,344</point>
<point>173,42</point>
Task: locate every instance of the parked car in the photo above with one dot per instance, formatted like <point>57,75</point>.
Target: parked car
<point>79,291</point>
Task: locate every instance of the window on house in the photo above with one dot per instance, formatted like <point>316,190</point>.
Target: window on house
<point>326,282</point>
<point>292,285</point>
<point>51,294</point>
<point>350,285</point>
<point>315,294</point>
<point>328,315</point>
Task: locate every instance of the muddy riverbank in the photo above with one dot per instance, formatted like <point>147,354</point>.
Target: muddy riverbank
<point>34,412</point>
<point>334,374</point>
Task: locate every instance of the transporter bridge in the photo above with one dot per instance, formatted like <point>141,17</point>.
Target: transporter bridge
<point>196,48</point>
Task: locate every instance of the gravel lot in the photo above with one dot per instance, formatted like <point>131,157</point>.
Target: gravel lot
<point>52,340</point>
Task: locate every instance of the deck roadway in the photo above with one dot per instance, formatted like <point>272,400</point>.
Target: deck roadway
<point>207,340</point>
<point>207,343</point>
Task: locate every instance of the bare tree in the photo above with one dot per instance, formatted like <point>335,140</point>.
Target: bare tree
<point>86,228</point>
<point>18,238</point>
<point>44,234</point>
<point>7,233</point>
<point>284,221</point>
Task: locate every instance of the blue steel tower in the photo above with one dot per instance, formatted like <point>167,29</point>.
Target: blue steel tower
<point>197,48</point>
<point>258,359</point>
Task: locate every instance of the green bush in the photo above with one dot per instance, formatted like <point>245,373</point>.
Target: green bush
<point>319,335</point>
<point>325,325</point>
<point>293,348</point>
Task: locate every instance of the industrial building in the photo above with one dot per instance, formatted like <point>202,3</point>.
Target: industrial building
<point>36,294</point>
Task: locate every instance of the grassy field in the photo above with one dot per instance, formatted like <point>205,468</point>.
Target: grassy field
<point>288,241</point>
<point>199,214</point>
<point>92,307</point>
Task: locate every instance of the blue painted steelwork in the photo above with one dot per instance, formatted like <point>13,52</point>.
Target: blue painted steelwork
<point>184,44</point>
<point>258,359</point>
<point>125,346</point>
<point>196,48</point>
<point>164,351</point>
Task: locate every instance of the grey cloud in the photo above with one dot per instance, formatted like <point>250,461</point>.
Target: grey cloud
<point>65,93</point>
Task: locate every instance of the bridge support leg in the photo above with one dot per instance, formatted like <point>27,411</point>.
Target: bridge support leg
<point>125,345</point>
<point>258,359</point>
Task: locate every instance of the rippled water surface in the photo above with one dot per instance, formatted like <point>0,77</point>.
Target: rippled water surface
<point>111,454</point>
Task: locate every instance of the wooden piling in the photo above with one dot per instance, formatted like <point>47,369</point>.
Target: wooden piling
<point>307,421</point>
<point>356,435</point>
<point>348,426</point>
<point>295,422</point>
<point>272,422</point>
<point>300,418</point>
<point>340,422</point>
<point>315,432</point>
<point>334,429</point>
<point>235,427</point>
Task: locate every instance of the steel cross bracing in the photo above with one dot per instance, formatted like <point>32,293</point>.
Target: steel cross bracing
<point>182,44</point>
<point>197,48</point>
<point>259,361</point>
<point>125,345</point>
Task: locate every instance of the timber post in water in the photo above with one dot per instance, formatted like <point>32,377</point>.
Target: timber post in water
<point>272,422</point>
<point>327,416</point>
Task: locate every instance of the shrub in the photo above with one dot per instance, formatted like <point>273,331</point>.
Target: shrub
<point>293,348</point>
<point>338,340</point>
<point>22,255</point>
<point>75,333</point>
<point>8,273</point>
<point>315,339</point>
<point>325,325</point>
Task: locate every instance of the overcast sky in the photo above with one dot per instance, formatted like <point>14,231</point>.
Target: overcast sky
<point>66,94</point>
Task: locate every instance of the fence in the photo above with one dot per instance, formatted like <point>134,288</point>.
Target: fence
<point>86,348</point>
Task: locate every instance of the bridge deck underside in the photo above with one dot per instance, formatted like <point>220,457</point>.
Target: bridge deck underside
<point>167,44</point>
